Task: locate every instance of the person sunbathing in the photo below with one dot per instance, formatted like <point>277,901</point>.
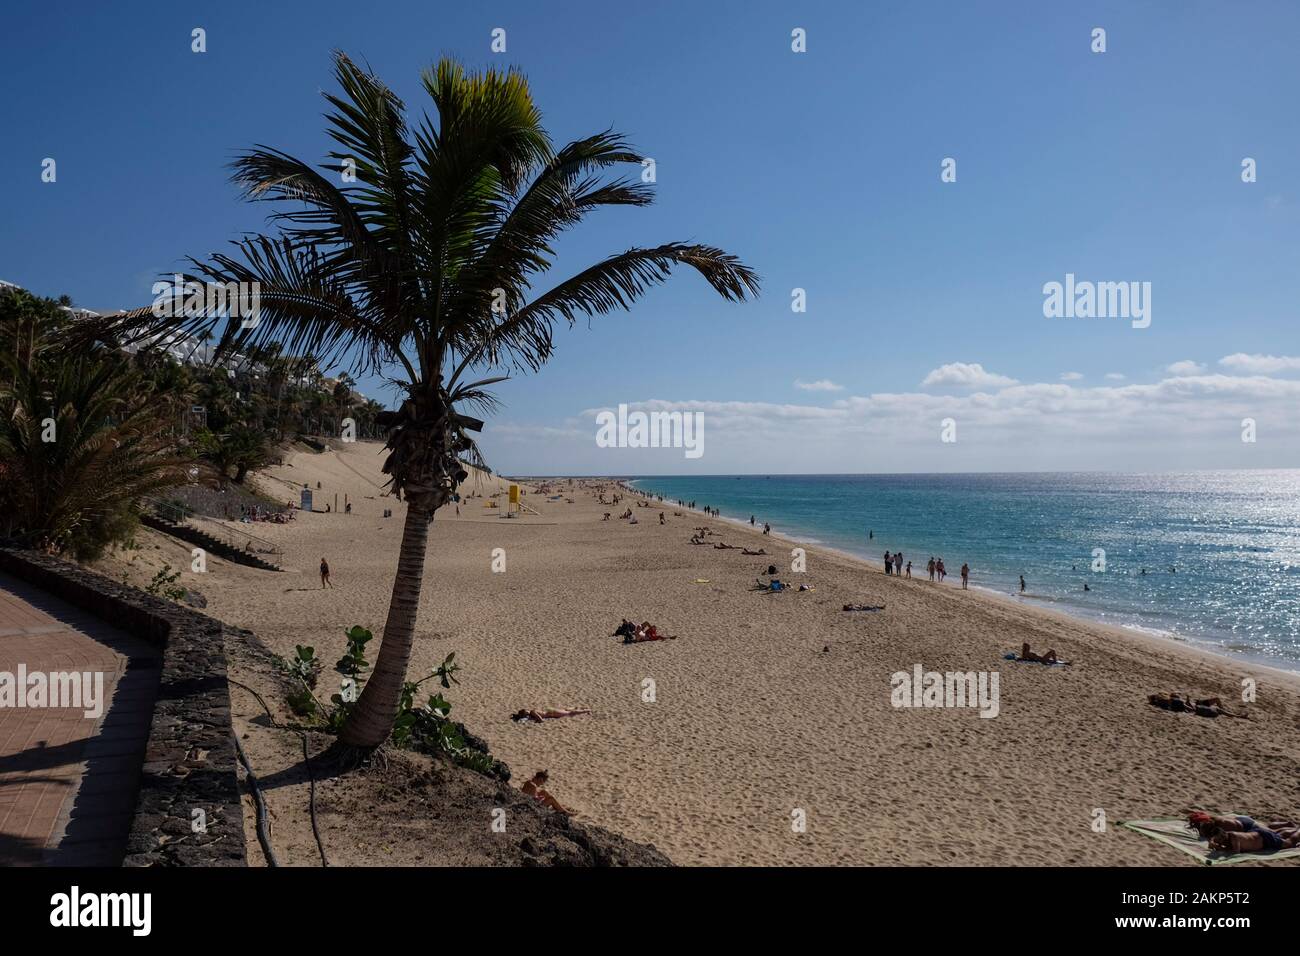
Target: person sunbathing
<point>536,789</point>
<point>537,716</point>
<point>864,607</point>
<point>647,632</point>
<point>720,546</point>
<point>1048,658</point>
<point>747,551</point>
<point>1203,707</point>
<point>1259,840</point>
<point>1242,834</point>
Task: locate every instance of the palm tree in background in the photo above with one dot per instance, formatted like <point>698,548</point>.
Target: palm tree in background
<point>421,267</point>
<point>85,436</point>
<point>343,398</point>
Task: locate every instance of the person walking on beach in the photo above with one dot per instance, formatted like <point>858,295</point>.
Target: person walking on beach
<point>940,570</point>
<point>898,563</point>
<point>909,570</point>
<point>325,575</point>
<point>751,520</point>
<point>965,575</point>
<point>929,566</point>
<point>1022,584</point>
<point>767,528</point>
<point>889,563</point>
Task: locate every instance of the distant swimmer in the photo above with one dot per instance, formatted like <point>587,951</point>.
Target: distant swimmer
<point>1086,588</point>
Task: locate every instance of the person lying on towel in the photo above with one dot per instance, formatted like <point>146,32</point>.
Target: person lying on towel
<point>1244,835</point>
<point>647,632</point>
<point>1205,707</point>
<point>552,713</point>
<point>1048,657</point>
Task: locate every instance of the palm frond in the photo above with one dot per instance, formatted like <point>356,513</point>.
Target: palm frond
<point>614,283</point>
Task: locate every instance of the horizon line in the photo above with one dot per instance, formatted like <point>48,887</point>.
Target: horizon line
<point>886,474</point>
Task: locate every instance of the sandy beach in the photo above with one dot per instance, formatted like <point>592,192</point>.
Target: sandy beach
<point>769,708</point>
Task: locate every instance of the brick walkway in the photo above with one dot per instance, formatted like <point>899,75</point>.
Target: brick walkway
<point>68,783</point>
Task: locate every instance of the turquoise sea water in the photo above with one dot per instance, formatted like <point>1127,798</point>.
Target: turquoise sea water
<point>1221,549</point>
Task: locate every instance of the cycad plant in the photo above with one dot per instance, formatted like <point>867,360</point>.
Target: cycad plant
<point>414,252</point>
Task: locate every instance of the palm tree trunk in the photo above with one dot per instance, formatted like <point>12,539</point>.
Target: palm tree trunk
<point>372,720</point>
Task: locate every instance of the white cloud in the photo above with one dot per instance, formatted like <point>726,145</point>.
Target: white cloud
<point>1185,367</point>
<point>1116,376</point>
<point>1183,421</point>
<point>1071,376</point>
<point>965,376</point>
<point>1260,364</point>
<point>821,385</point>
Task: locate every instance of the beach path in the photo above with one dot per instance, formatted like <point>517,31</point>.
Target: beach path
<point>68,782</point>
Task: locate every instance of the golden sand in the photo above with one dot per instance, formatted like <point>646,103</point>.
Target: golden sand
<point>770,704</point>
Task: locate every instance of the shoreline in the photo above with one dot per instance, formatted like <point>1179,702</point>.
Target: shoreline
<point>1073,614</point>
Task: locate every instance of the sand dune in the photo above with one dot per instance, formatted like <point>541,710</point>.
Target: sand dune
<point>769,704</point>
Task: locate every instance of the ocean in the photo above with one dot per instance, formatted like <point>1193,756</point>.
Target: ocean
<point>1221,550</point>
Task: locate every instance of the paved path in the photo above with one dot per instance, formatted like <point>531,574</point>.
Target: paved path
<point>68,783</point>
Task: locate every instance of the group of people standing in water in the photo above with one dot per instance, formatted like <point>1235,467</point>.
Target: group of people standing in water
<point>894,565</point>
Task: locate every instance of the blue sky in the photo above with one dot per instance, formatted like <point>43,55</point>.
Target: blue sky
<point>820,169</point>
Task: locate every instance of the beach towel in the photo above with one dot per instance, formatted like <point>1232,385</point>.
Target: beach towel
<point>1177,834</point>
<point>1020,660</point>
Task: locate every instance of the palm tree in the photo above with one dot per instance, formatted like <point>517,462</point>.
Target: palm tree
<point>423,269</point>
<point>84,437</point>
<point>368,417</point>
<point>343,397</point>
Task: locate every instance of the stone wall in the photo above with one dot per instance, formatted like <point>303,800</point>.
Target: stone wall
<point>190,761</point>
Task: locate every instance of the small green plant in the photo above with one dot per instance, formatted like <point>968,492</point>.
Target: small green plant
<point>162,584</point>
<point>306,668</point>
<point>411,719</point>
<point>352,666</point>
<point>426,727</point>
